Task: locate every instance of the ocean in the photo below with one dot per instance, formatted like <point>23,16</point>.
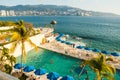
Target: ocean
<point>96,32</point>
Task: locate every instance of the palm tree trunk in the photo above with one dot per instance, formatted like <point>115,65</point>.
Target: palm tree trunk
<point>98,76</point>
<point>81,71</point>
<point>22,56</point>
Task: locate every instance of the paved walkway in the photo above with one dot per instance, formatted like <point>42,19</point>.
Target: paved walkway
<point>4,76</point>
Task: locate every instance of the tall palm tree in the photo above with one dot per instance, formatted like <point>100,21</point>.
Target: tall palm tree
<point>102,69</point>
<point>21,35</point>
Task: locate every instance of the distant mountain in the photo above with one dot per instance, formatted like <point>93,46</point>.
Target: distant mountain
<point>22,10</point>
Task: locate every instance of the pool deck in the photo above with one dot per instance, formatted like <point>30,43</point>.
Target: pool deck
<point>68,50</point>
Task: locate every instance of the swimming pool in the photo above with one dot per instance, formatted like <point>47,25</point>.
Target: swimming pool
<point>55,62</point>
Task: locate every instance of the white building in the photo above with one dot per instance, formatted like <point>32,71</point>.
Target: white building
<point>7,13</point>
<point>11,13</point>
<point>3,13</point>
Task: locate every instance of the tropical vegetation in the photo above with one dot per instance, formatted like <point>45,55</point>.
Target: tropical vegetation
<point>15,33</point>
<point>6,60</point>
<point>21,35</point>
<point>100,66</point>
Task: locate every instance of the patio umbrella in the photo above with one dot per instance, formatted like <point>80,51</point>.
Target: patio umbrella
<point>62,41</point>
<point>40,71</point>
<point>58,39</point>
<point>69,43</point>
<point>80,47</point>
<point>67,78</point>
<point>105,52</point>
<point>87,48</point>
<point>53,76</point>
<point>96,50</point>
<point>115,54</point>
<point>28,68</point>
<point>61,35</point>
<point>19,66</point>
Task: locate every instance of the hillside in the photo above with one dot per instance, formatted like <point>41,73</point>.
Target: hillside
<point>22,10</point>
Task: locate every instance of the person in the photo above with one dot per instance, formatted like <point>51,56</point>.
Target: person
<point>38,78</point>
<point>73,45</point>
<point>31,77</point>
<point>65,52</point>
<point>87,54</point>
<point>23,77</point>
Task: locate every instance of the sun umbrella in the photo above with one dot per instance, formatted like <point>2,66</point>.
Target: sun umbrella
<point>58,39</point>
<point>19,66</point>
<point>61,35</point>
<point>80,47</point>
<point>62,41</point>
<point>53,76</point>
<point>115,54</point>
<point>105,52</point>
<point>67,78</point>
<point>96,50</point>
<point>40,71</point>
<point>87,48</point>
<point>68,43</point>
<point>28,68</point>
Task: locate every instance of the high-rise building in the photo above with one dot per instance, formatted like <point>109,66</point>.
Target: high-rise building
<point>3,13</point>
<point>7,13</point>
<point>11,13</point>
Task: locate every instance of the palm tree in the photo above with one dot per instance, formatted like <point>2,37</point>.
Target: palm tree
<point>102,69</point>
<point>21,35</point>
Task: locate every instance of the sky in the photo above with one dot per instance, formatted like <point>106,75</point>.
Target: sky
<point>112,6</point>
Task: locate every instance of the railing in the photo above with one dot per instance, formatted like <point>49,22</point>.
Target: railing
<point>4,76</point>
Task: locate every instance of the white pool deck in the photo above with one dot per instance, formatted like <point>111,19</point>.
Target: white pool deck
<point>77,53</point>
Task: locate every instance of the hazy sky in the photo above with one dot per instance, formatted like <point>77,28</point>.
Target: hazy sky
<point>94,5</point>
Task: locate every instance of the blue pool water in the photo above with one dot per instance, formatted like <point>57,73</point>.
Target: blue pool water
<point>55,62</point>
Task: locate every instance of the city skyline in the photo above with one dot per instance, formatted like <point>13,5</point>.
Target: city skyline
<point>111,6</point>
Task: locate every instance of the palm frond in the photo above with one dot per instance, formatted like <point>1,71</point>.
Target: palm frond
<point>13,47</point>
<point>110,58</point>
<point>108,77</point>
<point>32,44</point>
<point>100,66</point>
<point>15,36</point>
<point>112,68</point>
